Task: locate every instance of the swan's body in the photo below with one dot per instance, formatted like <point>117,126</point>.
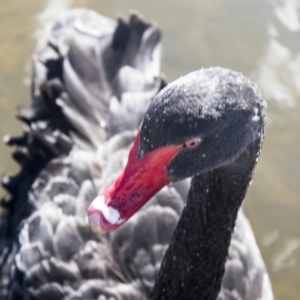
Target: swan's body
<point>83,94</point>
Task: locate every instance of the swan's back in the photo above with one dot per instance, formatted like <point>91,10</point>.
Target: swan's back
<point>93,80</point>
<point>85,67</point>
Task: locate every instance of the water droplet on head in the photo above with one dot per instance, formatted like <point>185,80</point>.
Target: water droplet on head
<point>200,109</point>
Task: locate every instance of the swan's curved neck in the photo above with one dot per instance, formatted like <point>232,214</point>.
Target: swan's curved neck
<point>195,260</point>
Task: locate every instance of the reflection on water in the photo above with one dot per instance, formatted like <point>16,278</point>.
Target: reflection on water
<point>257,37</point>
<point>286,259</point>
<point>287,13</point>
<point>279,73</point>
<point>270,238</point>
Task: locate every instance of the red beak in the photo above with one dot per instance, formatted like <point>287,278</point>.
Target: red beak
<point>141,179</point>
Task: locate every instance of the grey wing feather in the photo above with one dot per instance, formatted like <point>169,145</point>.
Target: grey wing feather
<point>47,250</point>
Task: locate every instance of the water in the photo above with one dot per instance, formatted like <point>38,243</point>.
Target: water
<point>260,38</point>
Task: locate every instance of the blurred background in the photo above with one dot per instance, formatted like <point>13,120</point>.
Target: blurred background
<point>260,38</point>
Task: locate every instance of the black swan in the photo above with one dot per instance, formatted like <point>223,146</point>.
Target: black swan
<point>93,80</point>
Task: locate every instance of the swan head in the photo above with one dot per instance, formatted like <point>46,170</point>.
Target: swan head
<point>200,122</point>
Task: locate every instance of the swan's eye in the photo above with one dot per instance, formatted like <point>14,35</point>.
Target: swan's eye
<point>191,144</point>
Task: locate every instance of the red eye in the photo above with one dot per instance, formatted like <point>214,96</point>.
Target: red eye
<point>191,144</point>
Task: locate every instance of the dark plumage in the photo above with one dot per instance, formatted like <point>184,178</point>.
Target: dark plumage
<point>93,80</point>
<point>234,123</point>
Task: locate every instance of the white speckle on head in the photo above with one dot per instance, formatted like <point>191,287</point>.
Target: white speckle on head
<point>255,118</point>
<point>111,215</point>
